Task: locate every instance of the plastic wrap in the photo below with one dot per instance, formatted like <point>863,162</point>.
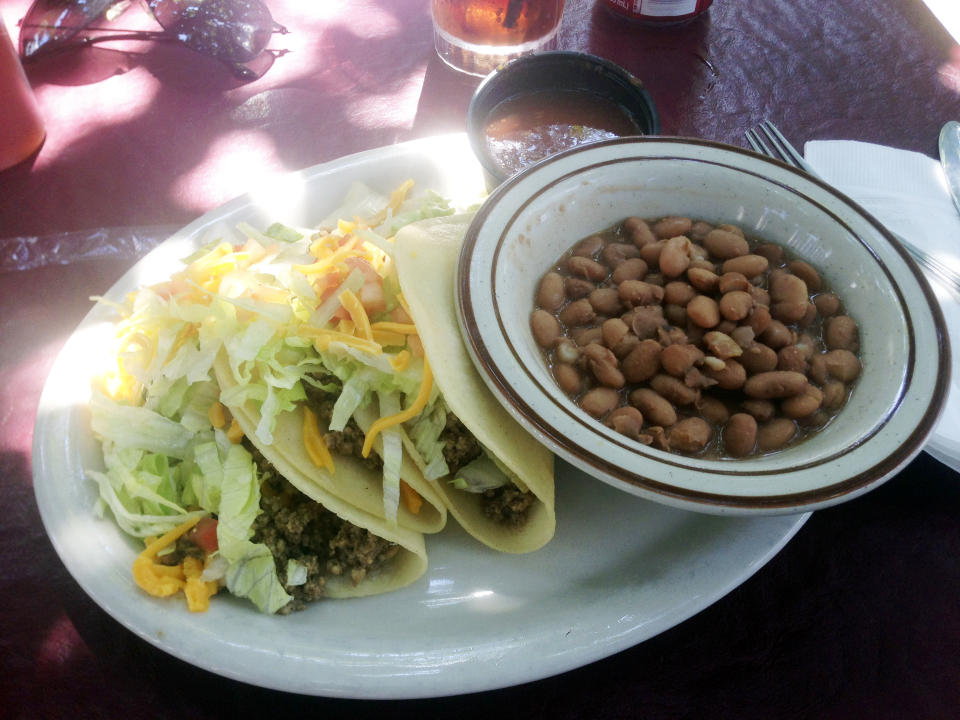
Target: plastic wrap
<point>119,243</point>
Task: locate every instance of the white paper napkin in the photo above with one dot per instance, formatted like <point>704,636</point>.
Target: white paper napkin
<point>907,192</point>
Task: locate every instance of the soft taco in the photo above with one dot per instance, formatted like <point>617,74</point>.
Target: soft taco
<point>498,481</point>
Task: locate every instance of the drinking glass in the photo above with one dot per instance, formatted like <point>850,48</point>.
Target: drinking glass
<point>475,36</point>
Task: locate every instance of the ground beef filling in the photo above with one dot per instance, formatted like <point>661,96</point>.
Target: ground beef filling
<point>348,441</point>
<point>507,504</point>
<point>294,527</point>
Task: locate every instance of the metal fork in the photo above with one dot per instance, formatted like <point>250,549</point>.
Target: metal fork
<point>767,140</point>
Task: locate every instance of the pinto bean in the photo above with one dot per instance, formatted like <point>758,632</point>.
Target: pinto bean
<point>588,247</point>
<point>699,230</point>
<point>672,226</point>
<point>675,315</point>
<point>759,358</point>
<point>645,321</point>
<point>749,265</point>
<point>775,384</point>
<point>626,420</point>
<point>842,365</point>
<point>834,394</point>
<point>550,292</point>
<point>702,279</point>
<point>651,253</point>
<point>678,293</point>
<point>713,410</point>
<point>759,295</point>
<point>789,312</point>
<point>731,281</point>
<point>673,389</point>
<point>775,434</point>
<point>586,268</point>
<point>634,268</point>
<point>740,435</point>
<point>722,345</point>
<point>675,256</point>
<point>577,288</point>
<point>639,232</point>
<point>827,304</point>
<point>792,357</point>
<point>777,335</point>
<point>807,403</point>
<point>615,254</point>
<point>759,319</point>
<point>806,272</point>
<point>643,362</point>
<point>568,378</point>
<point>788,288</point>
<point>599,401</point>
<point>639,292</point>
<point>841,333</point>
<point>677,359</point>
<point>603,365</point>
<point>731,376</point>
<point>743,336</point>
<point>761,410</point>
<point>656,409</point>
<point>725,244</point>
<point>606,301</point>
<point>703,311</point>
<point>545,328</point>
<point>773,253</point>
<point>614,330</point>
<point>579,312</point>
<point>736,305</point>
<point>690,435</point>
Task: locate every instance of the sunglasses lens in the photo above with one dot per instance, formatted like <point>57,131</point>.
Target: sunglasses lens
<point>48,24</point>
<point>236,31</point>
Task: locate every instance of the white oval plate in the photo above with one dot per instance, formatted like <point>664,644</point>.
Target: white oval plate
<point>619,571</point>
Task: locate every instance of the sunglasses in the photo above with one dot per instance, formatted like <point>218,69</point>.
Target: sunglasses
<point>236,32</point>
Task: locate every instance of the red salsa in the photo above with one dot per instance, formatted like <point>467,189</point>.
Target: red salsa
<point>523,130</point>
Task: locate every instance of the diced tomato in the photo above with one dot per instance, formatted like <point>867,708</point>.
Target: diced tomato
<point>204,535</point>
<point>399,315</point>
<point>371,294</point>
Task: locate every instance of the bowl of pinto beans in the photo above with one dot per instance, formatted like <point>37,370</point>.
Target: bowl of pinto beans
<point>703,327</point>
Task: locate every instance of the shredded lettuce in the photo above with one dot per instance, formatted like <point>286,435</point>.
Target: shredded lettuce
<point>479,476</point>
<point>392,457</point>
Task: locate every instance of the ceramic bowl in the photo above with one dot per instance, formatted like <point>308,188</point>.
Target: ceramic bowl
<point>555,71</point>
<point>531,220</point>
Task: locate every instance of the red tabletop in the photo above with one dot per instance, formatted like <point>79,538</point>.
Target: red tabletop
<point>858,616</point>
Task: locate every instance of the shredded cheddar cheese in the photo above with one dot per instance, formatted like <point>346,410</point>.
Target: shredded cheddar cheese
<point>217,415</point>
<point>415,409</point>
<point>314,443</point>
<point>400,361</point>
<point>325,263</point>
<point>411,498</point>
<point>235,432</point>
<point>197,591</point>
<point>161,580</point>
<point>358,314</point>
<point>395,327</point>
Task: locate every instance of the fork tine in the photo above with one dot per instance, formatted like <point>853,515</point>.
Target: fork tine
<point>784,147</point>
<point>757,143</point>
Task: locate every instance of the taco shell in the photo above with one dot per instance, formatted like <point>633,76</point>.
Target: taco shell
<point>352,482</point>
<point>404,568</point>
<point>426,257</point>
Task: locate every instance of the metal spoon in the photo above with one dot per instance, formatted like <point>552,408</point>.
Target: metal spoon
<point>950,158</point>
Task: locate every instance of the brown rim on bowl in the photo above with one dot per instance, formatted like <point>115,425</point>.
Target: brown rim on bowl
<point>901,454</point>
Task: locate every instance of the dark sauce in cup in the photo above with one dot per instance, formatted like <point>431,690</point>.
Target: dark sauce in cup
<point>525,129</point>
